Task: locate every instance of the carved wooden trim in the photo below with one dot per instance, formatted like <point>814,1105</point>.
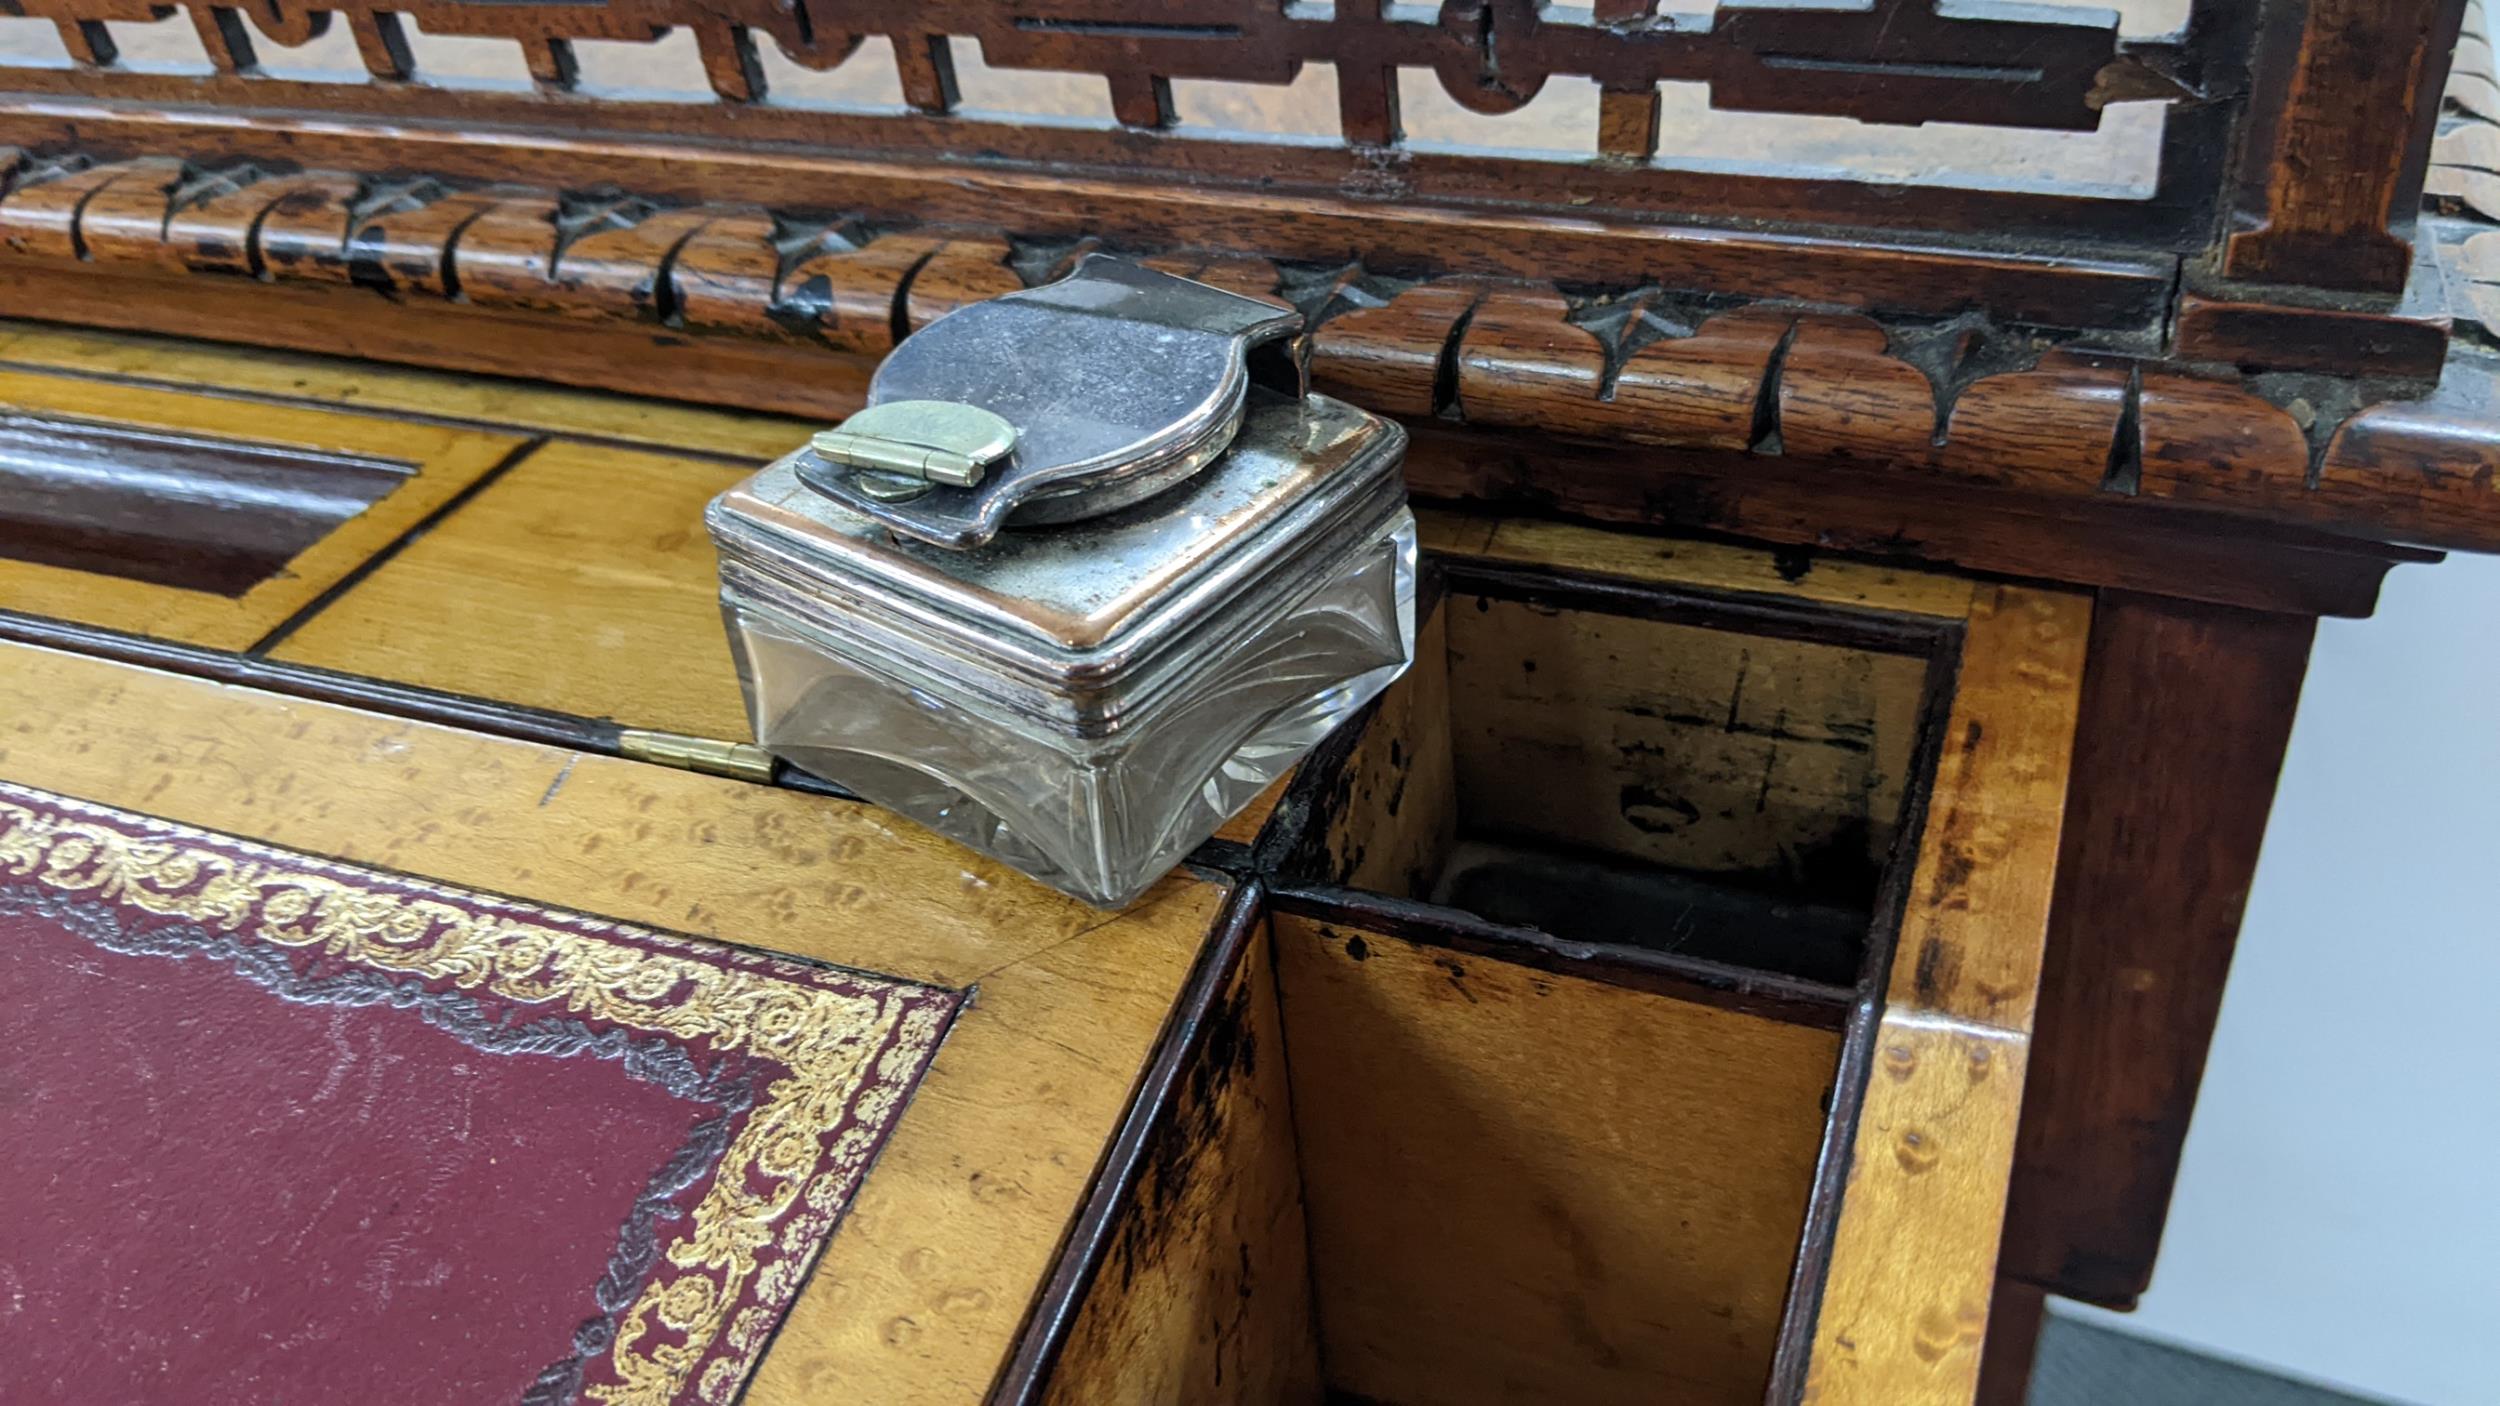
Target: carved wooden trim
<point>2330,341</point>
<point>2063,288</point>
<point>1980,62</point>
<point>2330,199</point>
<point>1892,61</point>
<point>1962,401</point>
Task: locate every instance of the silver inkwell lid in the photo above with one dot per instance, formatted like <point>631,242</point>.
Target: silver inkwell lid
<point>1056,404</point>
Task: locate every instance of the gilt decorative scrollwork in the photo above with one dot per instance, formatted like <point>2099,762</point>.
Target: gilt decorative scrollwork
<point>832,1056</point>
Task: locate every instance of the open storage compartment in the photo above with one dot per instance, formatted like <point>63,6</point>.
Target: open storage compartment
<point>1580,950</point>
<point>1716,780</point>
<point>1568,974</point>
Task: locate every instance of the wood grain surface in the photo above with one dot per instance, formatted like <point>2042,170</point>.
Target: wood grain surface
<point>1526,1186</point>
<point>2347,94</point>
<point>924,1287</point>
<point>2016,1317</point>
<point>1904,1306</point>
<point>337,383</point>
<point>1905,1310</point>
<point>2185,714</point>
<point>1205,1295</point>
<point>1987,858</point>
<point>581,581</point>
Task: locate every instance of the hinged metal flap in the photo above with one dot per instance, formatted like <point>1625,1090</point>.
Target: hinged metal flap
<point>1117,381</point>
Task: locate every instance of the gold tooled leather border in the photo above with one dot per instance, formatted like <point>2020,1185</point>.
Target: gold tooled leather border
<point>851,1054</point>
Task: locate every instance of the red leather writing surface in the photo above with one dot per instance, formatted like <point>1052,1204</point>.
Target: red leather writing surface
<point>274,1130</point>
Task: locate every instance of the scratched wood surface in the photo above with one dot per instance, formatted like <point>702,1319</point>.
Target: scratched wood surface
<point>440,462</point>
<point>925,1285</point>
<point>1205,1294</point>
<point>1602,731</point>
<point>1904,1307</point>
<point>1533,1187</point>
<point>1703,749</point>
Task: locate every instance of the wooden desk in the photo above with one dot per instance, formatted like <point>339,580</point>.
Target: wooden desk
<point>1338,1129</point>
<point>2056,372</point>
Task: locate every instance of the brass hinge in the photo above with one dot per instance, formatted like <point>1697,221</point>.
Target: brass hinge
<point>743,760</point>
<point>920,441</point>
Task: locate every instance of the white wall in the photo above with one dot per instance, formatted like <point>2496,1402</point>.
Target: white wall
<point>2338,1213</point>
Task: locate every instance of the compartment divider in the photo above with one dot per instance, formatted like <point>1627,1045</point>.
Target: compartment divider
<point>1857,1041</point>
<point>1793,1000</point>
<point>1768,616</point>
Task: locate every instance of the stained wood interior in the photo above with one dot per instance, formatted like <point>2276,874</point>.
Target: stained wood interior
<point>1577,1171</point>
<point>1528,1187</point>
<point>1637,782</point>
<point>1204,1294</point>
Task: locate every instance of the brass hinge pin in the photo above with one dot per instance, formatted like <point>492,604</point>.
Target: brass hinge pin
<point>710,755</point>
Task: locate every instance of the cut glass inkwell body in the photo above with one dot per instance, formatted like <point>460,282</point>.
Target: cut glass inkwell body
<point>1088,575</point>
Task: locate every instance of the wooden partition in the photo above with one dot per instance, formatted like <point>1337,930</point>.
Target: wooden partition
<point>1533,1185</point>
<point>1645,1151</point>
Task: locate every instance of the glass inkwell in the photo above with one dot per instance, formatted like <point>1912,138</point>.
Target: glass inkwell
<point>1088,574</point>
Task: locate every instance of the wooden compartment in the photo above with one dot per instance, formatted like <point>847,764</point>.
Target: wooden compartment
<point>1527,1185</point>
<point>1561,1107</point>
<point>1601,1078</point>
<point>1621,768</point>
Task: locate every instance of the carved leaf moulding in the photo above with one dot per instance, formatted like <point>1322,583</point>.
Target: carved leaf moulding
<point>1962,401</point>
